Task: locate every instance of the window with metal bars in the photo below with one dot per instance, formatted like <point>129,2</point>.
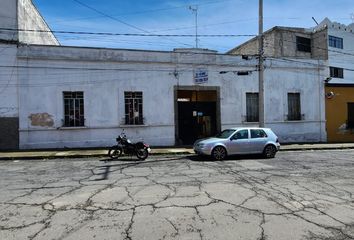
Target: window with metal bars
<point>294,107</point>
<point>252,110</point>
<point>134,108</point>
<point>74,109</point>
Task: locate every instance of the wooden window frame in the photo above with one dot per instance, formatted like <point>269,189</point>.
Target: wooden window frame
<point>252,107</point>
<point>294,106</point>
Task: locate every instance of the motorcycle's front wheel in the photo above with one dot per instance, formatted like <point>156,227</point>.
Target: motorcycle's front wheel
<point>115,152</point>
<point>142,153</point>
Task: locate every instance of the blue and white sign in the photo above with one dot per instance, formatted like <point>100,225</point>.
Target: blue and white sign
<point>201,75</point>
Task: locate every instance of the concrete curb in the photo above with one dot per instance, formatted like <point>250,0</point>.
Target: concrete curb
<point>33,155</point>
<point>64,155</point>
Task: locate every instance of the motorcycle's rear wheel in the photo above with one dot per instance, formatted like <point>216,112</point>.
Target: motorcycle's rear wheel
<point>115,152</point>
<point>142,153</point>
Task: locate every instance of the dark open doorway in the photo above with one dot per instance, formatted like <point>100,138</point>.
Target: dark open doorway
<point>196,115</point>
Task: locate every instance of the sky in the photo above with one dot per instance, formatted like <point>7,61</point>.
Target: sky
<point>174,17</point>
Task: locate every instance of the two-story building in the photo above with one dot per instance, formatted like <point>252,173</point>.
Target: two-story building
<point>329,41</point>
<point>339,39</point>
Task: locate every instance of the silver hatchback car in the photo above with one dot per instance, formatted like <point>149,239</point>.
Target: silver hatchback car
<point>239,141</point>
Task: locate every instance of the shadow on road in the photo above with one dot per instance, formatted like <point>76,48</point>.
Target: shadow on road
<point>126,162</point>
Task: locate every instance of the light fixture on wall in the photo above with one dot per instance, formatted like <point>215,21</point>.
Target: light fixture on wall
<point>175,73</point>
<point>330,95</point>
<point>327,79</point>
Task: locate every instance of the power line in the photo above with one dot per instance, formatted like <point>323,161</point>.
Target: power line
<point>126,34</point>
<point>120,21</point>
<point>147,11</point>
<point>307,63</point>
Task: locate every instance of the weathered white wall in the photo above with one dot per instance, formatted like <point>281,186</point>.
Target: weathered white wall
<point>29,18</point>
<point>22,14</point>
<point>307,79</point>
<point>105,74</point>
<point>345,60</point>
<point>280,78</point>
<point>8,10</point>
<point>46,75</point>
<point>8,81</point>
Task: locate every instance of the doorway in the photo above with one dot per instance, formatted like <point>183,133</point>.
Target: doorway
<point>196,114</point>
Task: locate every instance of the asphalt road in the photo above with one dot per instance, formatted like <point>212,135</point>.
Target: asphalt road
<point>297,195</point>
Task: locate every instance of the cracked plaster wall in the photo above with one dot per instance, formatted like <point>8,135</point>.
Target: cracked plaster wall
<point>9,116</point>
<point>153,73</point>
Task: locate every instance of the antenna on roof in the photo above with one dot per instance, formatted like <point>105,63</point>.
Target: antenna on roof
<point>352,17</point>
<point>194,9</point>
<point>314,20</point>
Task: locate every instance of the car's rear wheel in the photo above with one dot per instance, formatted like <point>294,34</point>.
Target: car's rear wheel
<point>219,153</point>
<point>269,151</point>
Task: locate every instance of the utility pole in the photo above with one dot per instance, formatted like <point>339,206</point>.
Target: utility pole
<point>260,66</point>
<point>195,11</point>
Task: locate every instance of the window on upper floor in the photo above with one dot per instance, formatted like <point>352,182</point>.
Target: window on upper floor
<point>335,72</point>
<point>294,107</point>
<point>303,44</point>
<point>335,42</point>
<point>74,109</point>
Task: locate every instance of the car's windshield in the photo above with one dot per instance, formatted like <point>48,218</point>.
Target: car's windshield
<point>226,133</point>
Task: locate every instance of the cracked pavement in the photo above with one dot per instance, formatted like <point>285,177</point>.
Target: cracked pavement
<point>297,195</point>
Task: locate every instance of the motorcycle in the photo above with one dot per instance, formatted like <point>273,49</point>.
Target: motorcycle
<point>125,146</point>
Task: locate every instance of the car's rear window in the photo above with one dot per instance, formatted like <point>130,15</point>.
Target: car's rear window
<point>226,133</point>
<point>258,133</point>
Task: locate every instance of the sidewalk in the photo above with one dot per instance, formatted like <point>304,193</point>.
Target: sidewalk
<point>85,153</point>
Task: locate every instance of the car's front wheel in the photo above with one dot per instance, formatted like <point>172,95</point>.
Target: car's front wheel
<point>269,151</point>
<point>219,153</point>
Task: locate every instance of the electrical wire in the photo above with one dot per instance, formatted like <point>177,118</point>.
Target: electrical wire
<point>123,22</point>
<point>127,34</point>
<point>146,11</point>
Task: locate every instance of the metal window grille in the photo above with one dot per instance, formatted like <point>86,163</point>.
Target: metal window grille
<point>252,110</point>
<point>294,107</point>
<point>336,72</point>
<point>133,108</point>
<point>350,121</point>
<point>335,42</point>
<point>73,109</point>
<point>303,44</point>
